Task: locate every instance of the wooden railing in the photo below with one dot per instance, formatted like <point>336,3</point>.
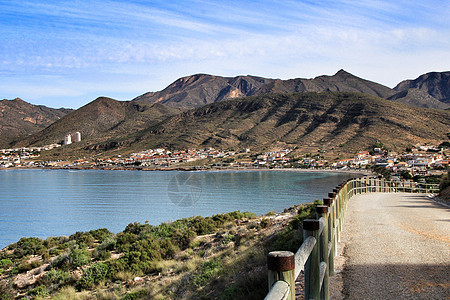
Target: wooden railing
<point>316,255</point>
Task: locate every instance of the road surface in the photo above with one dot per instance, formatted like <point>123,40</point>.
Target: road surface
<point>395,246</point>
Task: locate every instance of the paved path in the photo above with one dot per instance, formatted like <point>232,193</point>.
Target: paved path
<point>396,246</point>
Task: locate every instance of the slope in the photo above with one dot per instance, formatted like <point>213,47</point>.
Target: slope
<point>436,84</point>
<point>101,120</point>
<point>197,90</point>
<point>337,122</point>
<point>20,118</point>
<point>200,89</point>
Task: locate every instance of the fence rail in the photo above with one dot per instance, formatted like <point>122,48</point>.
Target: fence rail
<point>316,254</point>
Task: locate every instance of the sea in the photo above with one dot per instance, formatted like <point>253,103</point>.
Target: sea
<point>43,203</point>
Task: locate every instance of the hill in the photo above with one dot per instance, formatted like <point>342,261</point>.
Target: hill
<point>201,89</point>
<point>429,90</point>
<point>419,98</point>
<point>436,84</point>
<point>336,122</point>
<point>102,123</point>
<point>20,118</point>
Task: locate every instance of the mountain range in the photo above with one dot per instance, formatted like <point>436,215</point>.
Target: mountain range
<point>19,119</point>
<point>341,112</point>
<point>431,90</point>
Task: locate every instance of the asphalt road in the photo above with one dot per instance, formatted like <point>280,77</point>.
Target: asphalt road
<point>396,246</point>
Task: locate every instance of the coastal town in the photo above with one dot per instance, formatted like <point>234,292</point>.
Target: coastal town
<point>420,160</point>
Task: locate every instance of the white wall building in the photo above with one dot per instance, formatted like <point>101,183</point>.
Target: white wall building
<point>72,138</point>
<point>68,139</point>
<point>76,137</point>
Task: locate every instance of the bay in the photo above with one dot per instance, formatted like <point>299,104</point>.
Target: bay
<point>42,203</point>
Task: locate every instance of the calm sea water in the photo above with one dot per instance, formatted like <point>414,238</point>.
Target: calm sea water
<point>43,203</point>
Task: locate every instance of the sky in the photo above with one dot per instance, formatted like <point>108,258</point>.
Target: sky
<point>67,53</point>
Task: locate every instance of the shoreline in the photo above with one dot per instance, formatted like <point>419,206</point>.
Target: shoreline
<point>200,168</point>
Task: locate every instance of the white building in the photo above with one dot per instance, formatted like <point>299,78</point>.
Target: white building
<point>76,137</point>
<point>68,139</point>
<point>72,138</point>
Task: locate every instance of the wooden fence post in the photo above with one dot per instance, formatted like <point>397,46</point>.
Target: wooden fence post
<point>322,212</point>
<point>281,266</point>
<point>312,265</point>
<point>331,244</point>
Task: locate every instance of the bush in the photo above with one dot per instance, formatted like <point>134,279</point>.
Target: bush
<point>6,291</point>
<point>141,294</point>
<point>5,263</point>
<point>28,246</point>
<point>94,275</point>
<point>79,257</point>
<point>109,243</point>
<point>102,255</point>
<point>101,234</point>
<point>207,271</point>
<point>82,238</point>
<point>61,262</point>
<point>57,277</point>
<point>445,182</point>
<point>290,239</point>
<point>40,291</point>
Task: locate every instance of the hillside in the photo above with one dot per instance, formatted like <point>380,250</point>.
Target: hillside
<point>102,120</point>
<point>436,84</point>
<point>337,122</point>
<point>419,98</point>
<point>19,118</point>
<point>201,89</point>
<point>429,90</point>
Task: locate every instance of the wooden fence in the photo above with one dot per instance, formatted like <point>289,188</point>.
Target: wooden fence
<point>316,255</point>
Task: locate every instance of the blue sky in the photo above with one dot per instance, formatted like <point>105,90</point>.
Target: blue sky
<point>67,53</point>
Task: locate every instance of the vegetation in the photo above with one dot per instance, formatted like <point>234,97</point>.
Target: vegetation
<point>197,257</point>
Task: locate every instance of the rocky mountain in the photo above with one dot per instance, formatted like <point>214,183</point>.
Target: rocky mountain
<point>332,121</point>
<point>436,84</point>
<point>101,120</point>
<point>20,118</point>
<point>419,98</point>
<point>201,89</point>
<point>342,81</point>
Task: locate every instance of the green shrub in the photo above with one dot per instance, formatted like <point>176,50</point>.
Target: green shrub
<point>228,238</point>
<point>290,239</point>
<point>28,246</point>
<point>82,238</point>
<point>109,243</point>
<point>5,263</point>
<point>21,268</point>
<point>94,275</point>
<point>101,234</point>
<point>115,266</point>
<point>136,228</point>
<point>203,225</point>
<point>102,255</point>
<point>54,241</point>
<point>183,239</point>
<point>79,257</point>
<point>6,291</point>
<point>141,294</point>
<point>61,262</point>
<point>39,291</point>
<point>58,277</point>
<point>445,182</point>
<point>124,241</point>
<point>207,271</point>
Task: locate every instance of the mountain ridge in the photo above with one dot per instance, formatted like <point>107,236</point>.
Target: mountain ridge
<point>200,89</point>
<point>20,118</point>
